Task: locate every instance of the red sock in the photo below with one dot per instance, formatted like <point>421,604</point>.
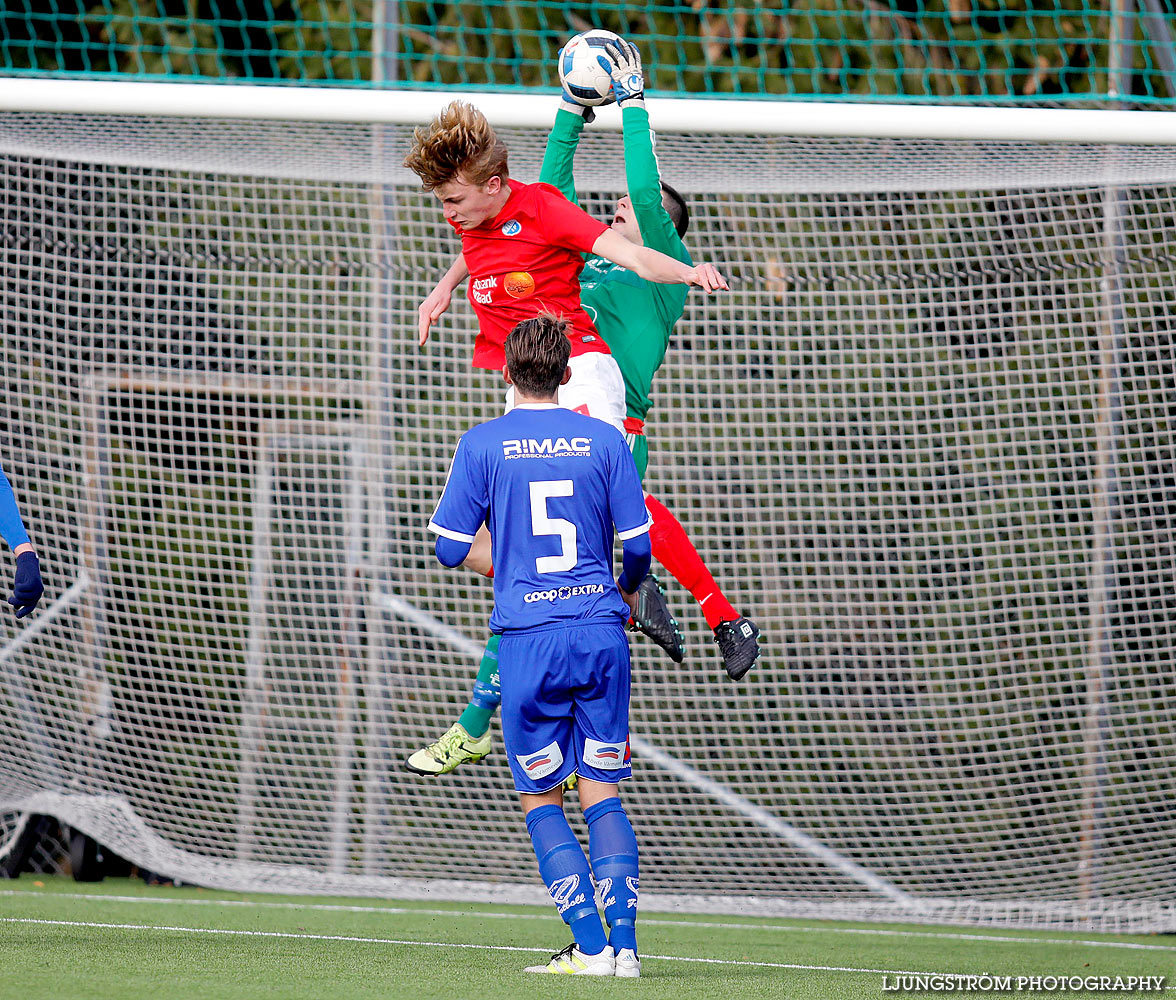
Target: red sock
<point>673,549</point>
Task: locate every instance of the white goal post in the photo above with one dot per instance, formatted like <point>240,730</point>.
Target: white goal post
<point>711,117</point>
<point>926,442</point>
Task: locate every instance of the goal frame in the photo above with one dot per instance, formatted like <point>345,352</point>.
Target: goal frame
<point>710,116</point>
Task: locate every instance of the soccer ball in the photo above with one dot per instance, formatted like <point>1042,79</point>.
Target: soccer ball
<point>585,69</point>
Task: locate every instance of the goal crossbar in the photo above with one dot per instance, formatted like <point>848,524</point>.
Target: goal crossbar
<point>687,116</point>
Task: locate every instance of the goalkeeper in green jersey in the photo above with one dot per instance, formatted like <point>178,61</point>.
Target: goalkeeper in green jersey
<point>636,318</point>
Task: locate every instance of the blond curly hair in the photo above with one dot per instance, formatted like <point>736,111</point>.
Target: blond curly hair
<point>458,141</point>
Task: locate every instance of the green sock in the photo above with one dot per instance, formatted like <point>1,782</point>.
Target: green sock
<point>486,698</point>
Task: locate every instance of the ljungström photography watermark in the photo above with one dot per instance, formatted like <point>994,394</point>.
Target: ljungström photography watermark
<point>941,983</point>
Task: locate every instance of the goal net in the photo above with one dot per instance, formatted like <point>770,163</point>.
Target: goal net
<point>927,442</point>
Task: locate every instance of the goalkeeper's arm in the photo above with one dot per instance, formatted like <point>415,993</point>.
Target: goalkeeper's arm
<point>641,170</point>
<point>645,189</point>
<point>561,151</point>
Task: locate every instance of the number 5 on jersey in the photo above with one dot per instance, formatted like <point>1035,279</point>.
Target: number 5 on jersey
<point>543,524</point>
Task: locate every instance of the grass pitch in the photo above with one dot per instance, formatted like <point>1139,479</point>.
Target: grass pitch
<point>123,940</point>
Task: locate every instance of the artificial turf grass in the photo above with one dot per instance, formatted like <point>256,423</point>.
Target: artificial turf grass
<point>157,964</point>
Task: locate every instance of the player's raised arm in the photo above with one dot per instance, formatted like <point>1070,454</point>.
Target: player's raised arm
<point>560,151</point>
<point>438,300</point>
<point>661,228</point>
<point>652,265</point>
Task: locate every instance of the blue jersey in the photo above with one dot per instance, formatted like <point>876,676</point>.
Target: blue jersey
<point>551,485</point>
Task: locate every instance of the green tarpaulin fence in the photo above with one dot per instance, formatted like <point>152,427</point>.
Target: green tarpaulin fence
<point>973,51</point>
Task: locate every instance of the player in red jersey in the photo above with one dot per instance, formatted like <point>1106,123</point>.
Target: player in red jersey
<point>521,246</point>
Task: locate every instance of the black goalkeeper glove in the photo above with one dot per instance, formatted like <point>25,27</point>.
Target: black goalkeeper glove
<point>27,587</point>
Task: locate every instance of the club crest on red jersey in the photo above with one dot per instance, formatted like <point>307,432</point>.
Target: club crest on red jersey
<point>512,227</point>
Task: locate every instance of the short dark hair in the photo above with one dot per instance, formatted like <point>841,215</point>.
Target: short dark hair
<point>679,213</point>
<point>537,352</point>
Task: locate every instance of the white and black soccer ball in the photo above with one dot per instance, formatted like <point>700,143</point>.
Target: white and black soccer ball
<point>585,68</point>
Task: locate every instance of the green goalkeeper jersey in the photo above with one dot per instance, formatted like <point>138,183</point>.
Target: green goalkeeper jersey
<point>634,316</point>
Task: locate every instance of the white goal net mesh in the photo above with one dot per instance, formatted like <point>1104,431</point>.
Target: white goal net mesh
<point>928,442</point>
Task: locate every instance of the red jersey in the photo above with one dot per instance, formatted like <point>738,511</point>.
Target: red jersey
<point>526,261</point>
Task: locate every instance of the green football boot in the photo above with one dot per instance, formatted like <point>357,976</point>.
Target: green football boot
<point>451,751</point>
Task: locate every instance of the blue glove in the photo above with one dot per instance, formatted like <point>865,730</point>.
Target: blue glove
<point>27,588</point>
<point>627,76</point>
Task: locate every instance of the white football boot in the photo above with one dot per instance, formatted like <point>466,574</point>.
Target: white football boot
<point>628,964</point>
<point>573,962</point>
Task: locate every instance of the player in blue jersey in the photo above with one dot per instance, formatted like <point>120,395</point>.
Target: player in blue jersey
<point>26,588</point>
<point>552,485</point>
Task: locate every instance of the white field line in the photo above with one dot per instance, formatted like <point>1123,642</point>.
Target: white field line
<point>650,921</point>
<point>448,944</point>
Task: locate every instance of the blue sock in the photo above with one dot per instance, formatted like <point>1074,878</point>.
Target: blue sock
<point>612,846</point>
<point>564,871</point>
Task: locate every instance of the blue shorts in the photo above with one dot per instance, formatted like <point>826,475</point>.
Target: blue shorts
<point>565,704</point>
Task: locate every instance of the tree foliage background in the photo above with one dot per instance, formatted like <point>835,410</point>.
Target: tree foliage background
<point>984,51</point>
